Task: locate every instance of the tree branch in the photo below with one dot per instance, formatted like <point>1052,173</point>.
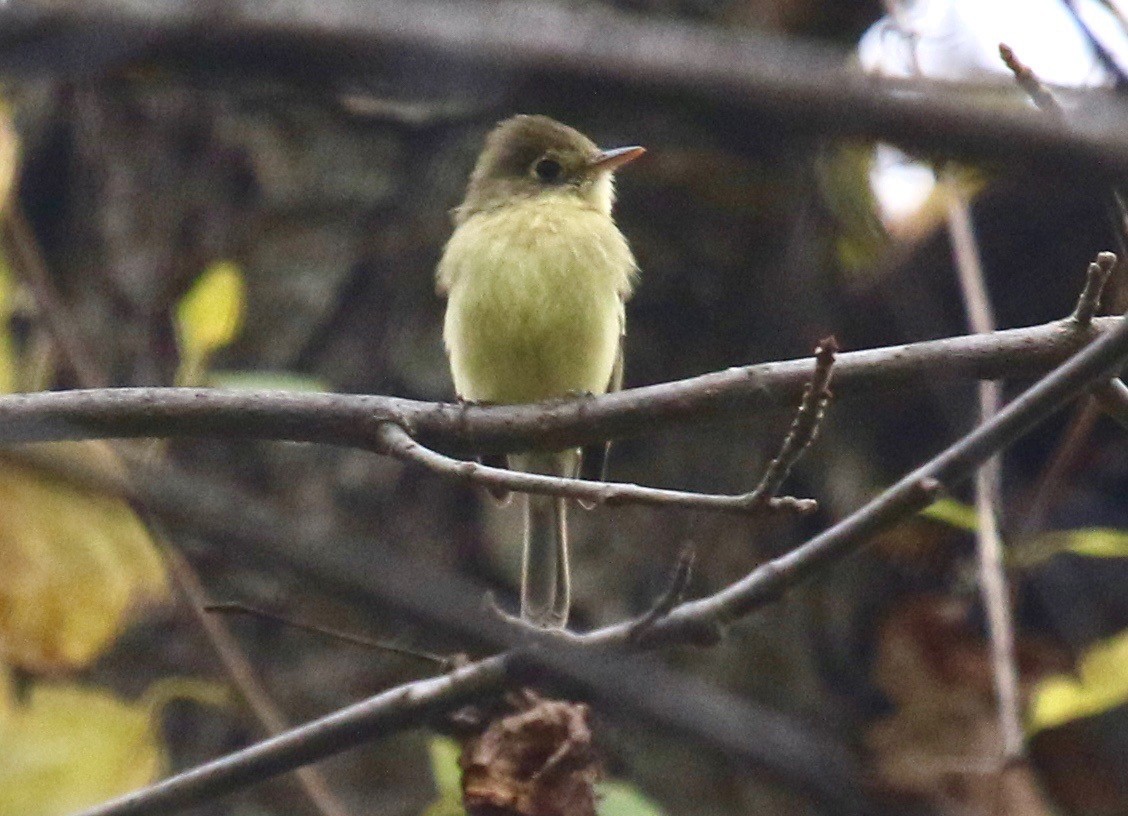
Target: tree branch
<point>914,491</point>
<point>607,676</point>
<point>396,442</point>
<point>354,420</point>
<point>805,85</point>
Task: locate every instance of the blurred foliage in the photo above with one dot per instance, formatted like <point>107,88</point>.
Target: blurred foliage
<point>67,747</point>
<point>73,564</point>
<point>1100,684</point>
<point>209,317</point>
<point>953,513</point>
<point>266,380</point>
<point>845,176</point>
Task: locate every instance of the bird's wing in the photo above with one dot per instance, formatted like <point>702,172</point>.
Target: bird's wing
<point>594,459</point>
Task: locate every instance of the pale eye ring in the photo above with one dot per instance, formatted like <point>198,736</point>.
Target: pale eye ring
<point>548,170</point>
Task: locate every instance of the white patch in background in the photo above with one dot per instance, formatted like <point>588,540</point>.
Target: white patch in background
<point>958,40</point>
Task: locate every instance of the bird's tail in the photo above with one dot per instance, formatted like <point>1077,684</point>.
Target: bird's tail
<point>545,582</point>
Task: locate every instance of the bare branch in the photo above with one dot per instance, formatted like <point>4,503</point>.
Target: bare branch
<point>397,443</point>
<point>805,426</point>
<point>353,420</point>
<point>242,675</point>
<point>914,491</point>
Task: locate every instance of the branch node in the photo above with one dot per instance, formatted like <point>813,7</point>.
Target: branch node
<point>1096,278</point>
<point>927,490</point>
<point>1027,80</point>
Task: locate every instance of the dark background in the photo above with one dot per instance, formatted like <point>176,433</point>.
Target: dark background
<point>328,178</point>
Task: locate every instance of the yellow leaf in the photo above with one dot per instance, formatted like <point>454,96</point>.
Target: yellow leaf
<point>8,366</point>
<point>210,315</point>
<point>9,156</point>
<point>953,513</point>
<point>1096,542</point>
<point>1101,684</point>
<point>73,564</point>
<point>67,747</point>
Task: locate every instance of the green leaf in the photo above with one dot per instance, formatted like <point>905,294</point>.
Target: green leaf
<point>1095,542</point>
<point>953,513</point>
<point>444,767</point>
<point>617,798</point>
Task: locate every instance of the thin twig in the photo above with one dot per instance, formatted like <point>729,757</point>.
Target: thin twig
<point>1112,396</point>
<point>1027,80</point>
<point>29,265</point>
<point>805,427</point>
<point>352,420</point>
<point>671,597</point>
<point>605,677</point>
<point>988,487</point>
<point>242,675</point>
<point>234,608</point>
<point>396,442</point>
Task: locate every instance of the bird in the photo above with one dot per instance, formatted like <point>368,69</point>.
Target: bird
<point>536,275</point>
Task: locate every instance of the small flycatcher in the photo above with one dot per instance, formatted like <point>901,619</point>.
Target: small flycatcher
<point>536,275</point>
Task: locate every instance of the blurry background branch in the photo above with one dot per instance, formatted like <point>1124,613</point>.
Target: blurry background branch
<point>798,83</point>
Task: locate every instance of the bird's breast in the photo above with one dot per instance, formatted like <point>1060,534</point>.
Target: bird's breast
<point>535,302</point>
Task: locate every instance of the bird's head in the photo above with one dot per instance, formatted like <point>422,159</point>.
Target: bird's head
<point>525,157</point>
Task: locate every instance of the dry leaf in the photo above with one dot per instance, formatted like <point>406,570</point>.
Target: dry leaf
<point>536,761</point>
<point>73,564</point>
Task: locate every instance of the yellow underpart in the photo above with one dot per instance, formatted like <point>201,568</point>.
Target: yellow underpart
<point>536,291</point>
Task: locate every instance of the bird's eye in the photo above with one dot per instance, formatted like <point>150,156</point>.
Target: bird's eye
<point>548,170</point>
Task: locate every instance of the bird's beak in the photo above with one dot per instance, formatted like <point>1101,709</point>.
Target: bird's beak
<point>609,161</point>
